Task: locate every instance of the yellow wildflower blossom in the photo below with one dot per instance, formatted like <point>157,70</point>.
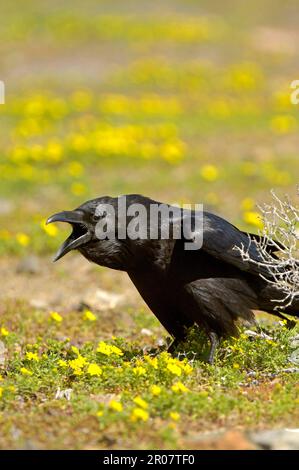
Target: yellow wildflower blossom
<point>32,356</point>
<point>4,331</point>
<point>62,363</point>
<point>253,218</point>
<point>25,371</point>
<point>140,402</point>
<point>179,387</point>
<point>108,349</point>
<point>155,390</point>
<point>174,369</point>
<point>138,414</point>
<point>89,316</point>
<point>153,361</point>
<point>115,405</point>
<point>1,392</point>
<point>283,124</point>
<point>22,239</point>
<point>139,370</point>
<point>50,230</point>
<point>209,173</point>
<point>77,365</point>
<point>75,169</point>
<point>78,189</point>
<point>94,369</point>
<point>55,316</point>
<point>174,416</point>
<point>75,350</point>
<point>187,368</point>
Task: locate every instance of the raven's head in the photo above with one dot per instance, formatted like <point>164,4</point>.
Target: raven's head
<point>84,221</point>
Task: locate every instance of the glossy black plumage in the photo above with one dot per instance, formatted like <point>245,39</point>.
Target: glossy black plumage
<point>212,287</point>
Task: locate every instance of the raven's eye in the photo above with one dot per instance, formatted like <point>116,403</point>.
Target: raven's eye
<point>97,216</point>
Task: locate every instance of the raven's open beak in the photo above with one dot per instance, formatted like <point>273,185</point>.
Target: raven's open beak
<point>78,237</point>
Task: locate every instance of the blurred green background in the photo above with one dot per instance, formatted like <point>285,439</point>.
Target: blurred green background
<point>183,101</point>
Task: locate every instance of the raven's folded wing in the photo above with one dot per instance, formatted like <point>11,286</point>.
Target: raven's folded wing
<point>223,241</point>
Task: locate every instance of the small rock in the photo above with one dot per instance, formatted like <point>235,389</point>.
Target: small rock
<point>219,440</point>
<point>6,206</point>
<point>279,439</point>
<point>3,352</point>
<point>295,342</point>
<point>63,394</point>
<point>146,332</point>
<point>100,299</point>
<point>294,357</point>
<point>29,265</point>
<point>39,304</point>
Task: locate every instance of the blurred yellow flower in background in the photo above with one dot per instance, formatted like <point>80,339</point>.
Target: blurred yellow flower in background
<point>138,414</point>
<point>115,406</point>
<point>22,239</point>
<point>209,173</point>
<point>55,316</point>
<point>253,218</point>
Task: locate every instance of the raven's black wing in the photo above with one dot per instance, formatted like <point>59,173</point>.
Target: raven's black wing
<point>223,241</point>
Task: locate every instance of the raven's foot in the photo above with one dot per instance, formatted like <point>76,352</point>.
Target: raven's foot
<point>214,339</point>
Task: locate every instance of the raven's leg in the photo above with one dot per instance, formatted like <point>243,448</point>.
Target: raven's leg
<point>214,339</point>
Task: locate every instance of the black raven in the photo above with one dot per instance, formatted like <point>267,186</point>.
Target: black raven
<point>211,287</point>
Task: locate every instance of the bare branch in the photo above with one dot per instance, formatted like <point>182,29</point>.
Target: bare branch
<point>279,248</point>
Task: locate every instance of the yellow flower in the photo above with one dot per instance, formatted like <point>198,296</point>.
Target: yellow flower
<point>22,239</point>
<point>56,317</point>
<point>75,169</point>
<point>139,370</point>
<point>138,414</point>
<point>32,356</point>
<point>62,363</point>
<point>187,368</point>
<point>78,189</point>
<point>247,204</point>
<point>115,405</point>
<point>4,331</point>
<point>174,369</point>
<point>179,387</point>
<point>50,230</point>
<point>54,151</point>
<point>1,378</point>
<point>108,349</point>
<point>236,365</point>
<point>153,361</point>
<point>173,152</point>
<point>25,371</point>
<point>1,392</point>
<point>253,218</point>
<point>174,415</point>
<point>75,350</point>
<point>100,413</point>
<point>283,124</point>
<point>155,390</point>
<point>94,369</point>
<point>140,402</point>
<point>209,173</point>
<point>89,316</point>
<point>77,364</point>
